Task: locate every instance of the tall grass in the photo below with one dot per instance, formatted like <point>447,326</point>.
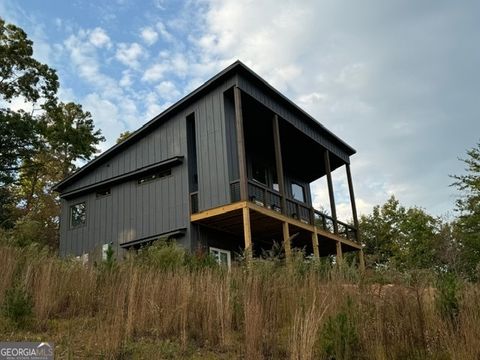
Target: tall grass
<point>265,311</point>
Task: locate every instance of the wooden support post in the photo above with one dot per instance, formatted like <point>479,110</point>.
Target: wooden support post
<point>286,242</point>
<point>247,233</point>
<point>242,157</point>
<point>333,209</point>
<point>316,251</point>
<point>279,163</point>
<point>352,201</point>
<point>339,253</point>
<point>361,261</point>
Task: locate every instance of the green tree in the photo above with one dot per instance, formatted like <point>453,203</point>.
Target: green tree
<point>20,76</point>
<point>468,207</point>
<point>36,149</point>
<point>401,238</point>
<point>123,136</point>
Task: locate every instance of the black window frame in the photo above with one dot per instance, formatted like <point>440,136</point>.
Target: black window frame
<point>71,215</point>
<point>304,194</point>
<point>162,174</point>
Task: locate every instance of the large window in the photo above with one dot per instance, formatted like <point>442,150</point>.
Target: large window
<point>78,214</point>
<point>259,172</point>
<point>223,257</point>
<point>298,192</point>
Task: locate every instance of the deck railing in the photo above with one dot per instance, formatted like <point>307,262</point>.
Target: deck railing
<point>263,196</point>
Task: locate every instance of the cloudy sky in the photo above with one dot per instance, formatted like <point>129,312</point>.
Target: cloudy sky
<point>398,80</point>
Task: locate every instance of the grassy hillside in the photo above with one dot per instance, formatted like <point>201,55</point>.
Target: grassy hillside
<point>155,306</point>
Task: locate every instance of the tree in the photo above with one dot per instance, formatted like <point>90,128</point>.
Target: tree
<point>123,136</point>
<point>401,238</point>
<point>20,76</point>
<point>468,207</point>
<point>38,149</point>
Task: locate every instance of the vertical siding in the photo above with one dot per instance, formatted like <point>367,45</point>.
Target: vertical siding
<point>134,211</point>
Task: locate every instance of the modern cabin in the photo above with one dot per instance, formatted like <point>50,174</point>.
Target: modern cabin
<point>227,169</point>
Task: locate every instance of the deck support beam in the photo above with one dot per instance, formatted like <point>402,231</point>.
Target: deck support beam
<point>333,209</point>
<point>339,253</point>
<point>247,233</point>
<point>316,251</point>
<point>287,241</point>
<point>279,163</point>
<point>242,157</point>
<point>361,261</point>
<point>352,201</point>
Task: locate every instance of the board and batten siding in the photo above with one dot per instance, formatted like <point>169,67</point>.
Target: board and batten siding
<point>135,211</point>
<point>283,111</point>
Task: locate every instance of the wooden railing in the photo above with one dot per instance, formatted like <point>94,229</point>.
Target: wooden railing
<point>264,196</point>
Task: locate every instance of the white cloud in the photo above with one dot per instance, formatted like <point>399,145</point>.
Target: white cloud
<point>155,72</point>
<point>167,90</point>
<point>149,35</point>
<point>99,38</point>
<point>129,54</point>
<point>162,29</point>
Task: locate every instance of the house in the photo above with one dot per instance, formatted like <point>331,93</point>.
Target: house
<point>227,168</point>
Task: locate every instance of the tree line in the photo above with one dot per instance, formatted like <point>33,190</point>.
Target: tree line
<point>37,148</point>
<point>41,147</point>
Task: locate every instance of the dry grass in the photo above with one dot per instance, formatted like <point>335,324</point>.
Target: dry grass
<point>263,312</point>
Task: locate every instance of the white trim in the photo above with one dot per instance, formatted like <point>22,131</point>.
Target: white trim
<point>221,251</point>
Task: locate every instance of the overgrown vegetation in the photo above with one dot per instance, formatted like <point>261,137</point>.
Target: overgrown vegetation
<point>148,309</point>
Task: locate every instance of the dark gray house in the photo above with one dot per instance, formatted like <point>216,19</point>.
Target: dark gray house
<point>227,168</point>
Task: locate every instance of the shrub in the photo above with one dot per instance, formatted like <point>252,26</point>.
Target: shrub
<point>162,255</point>
<point>447,296</point>
<point>18,306</point>
<point>339,336</point>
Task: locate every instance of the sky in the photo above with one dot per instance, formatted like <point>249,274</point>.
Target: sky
<point>397,80</point>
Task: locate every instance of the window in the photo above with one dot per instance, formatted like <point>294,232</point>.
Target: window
<point>158,175</point>
<point>259,173</point>
<point>298,192</point>
<point>103,192</point>
<point>223,257</point>
<point>78,214</point>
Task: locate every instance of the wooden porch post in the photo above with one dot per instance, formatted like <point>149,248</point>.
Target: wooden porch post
<point>361,261</point>
<point>247,233</point>
<point>330,191</point>
<point>279,163</point>
<point>316,251</point>
<point>361,258</point>
<point>339,253</point>
<point>242,160</point>
<point>286,242</point>
<point>352,201</point>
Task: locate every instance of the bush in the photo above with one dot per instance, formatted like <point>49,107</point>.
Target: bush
<point>339,336</point>
<point>162,255</point>
<point>18,306</point>
<point>447,296</point>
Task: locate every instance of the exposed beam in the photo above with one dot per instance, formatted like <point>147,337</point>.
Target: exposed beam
<point>247,233</point>
<point>217,211</point>
<point>333,209</point>
<point>279,163</point>
<point>242,157</point>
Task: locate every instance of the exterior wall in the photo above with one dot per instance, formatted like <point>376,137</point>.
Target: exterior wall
<point>282,110</point>
<point>134,211</point>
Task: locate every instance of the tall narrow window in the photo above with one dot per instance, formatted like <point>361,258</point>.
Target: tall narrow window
<point>298,192</point>
<point>78,214</point>
<point>192,153</point>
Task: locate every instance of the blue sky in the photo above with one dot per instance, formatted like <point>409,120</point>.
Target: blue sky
<point>398,80</point>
